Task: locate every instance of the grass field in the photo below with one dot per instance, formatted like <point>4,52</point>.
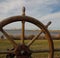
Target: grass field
<point>38,44</point>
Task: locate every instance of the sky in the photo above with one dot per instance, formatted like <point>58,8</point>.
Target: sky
<point>42,10</point>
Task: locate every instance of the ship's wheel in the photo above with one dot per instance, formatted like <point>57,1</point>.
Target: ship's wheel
<point>22,50</point>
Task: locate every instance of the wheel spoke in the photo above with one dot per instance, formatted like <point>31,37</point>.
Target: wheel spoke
<point>34,39</point>
<point>23,26</point>
<point>30,43</point>
<point>23,29</point>
<point>9,38</point>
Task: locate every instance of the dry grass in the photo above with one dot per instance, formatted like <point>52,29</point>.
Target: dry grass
<point>38,44</point>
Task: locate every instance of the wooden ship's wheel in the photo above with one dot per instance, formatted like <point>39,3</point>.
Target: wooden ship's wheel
<point>22,50</point>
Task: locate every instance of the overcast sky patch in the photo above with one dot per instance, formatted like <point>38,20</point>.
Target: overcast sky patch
<point>35,8</point>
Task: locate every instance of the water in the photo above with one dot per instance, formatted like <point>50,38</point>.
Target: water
<point>27,32</point>
<point>17,32</point>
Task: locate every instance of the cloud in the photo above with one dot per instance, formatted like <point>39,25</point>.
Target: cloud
<point>10,7</point>
<point>34,8</point>
<point>54,18</point>
<point>40,9</point>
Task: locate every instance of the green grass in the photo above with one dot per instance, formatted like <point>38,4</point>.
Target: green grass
<point>38,44</point>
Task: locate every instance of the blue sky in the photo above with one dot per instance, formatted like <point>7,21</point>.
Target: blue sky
<point>42,10</point>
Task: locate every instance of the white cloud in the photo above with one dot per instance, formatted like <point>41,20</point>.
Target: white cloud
<point>8,6</point>
<point>34,8</point>
<point>54,18</point>
<point>39,8</point>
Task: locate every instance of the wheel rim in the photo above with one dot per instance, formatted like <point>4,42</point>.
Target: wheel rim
<point>33,21</point>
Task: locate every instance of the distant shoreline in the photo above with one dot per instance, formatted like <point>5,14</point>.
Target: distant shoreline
<point>16,32</point>
<point>33,30</point>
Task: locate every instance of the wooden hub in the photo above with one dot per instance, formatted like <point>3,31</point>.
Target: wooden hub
<point>22,51</point>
